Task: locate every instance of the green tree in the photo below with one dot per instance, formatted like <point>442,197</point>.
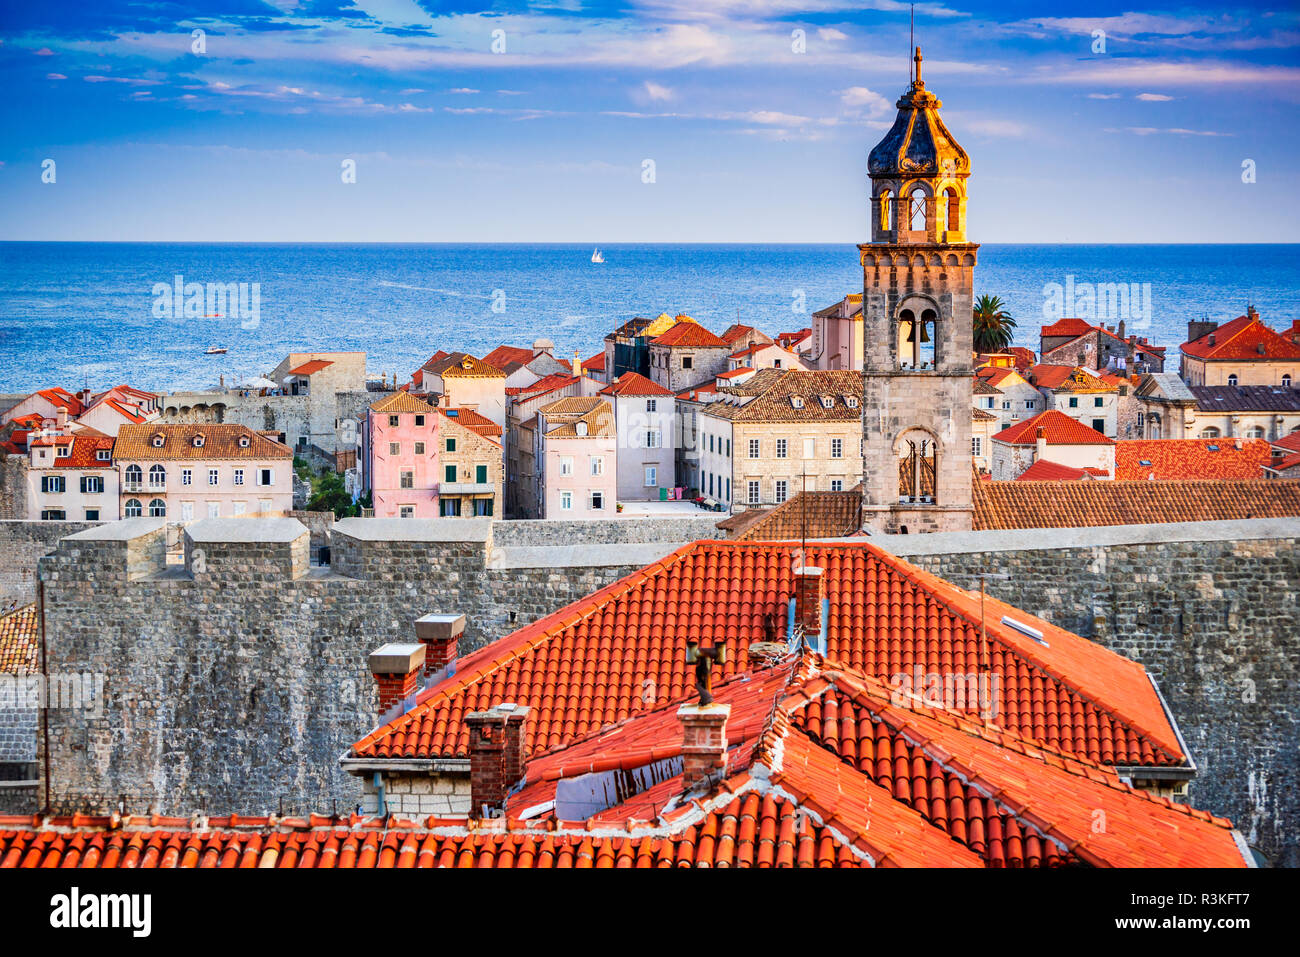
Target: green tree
<point>994,327</point>
<point>329,495</point>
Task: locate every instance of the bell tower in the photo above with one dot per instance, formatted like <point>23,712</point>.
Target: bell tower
<point>917,291</point>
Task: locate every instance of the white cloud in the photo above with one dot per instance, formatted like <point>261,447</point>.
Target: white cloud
<point>55,76</point>
<point>830,34</point>
<point>859,97</point>
<point>656,93</point>
<point>462,89</point>
<point>1154,97</point>
<point>1103,96</point>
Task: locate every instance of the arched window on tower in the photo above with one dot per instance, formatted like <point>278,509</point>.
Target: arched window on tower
<point>917,210</point>
<point>916,468</point>
<point>886,211</point>
<point>916,339</point>
<point>951,210</point>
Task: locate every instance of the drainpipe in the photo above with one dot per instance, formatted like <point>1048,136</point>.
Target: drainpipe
<point>45,697</point>
<point>381,808</point>
<point>789,618</point>
<point>826,617</point>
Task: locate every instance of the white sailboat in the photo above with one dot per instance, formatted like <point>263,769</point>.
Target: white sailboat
<point>597,256</point>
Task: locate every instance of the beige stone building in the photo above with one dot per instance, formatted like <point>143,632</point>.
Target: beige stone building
<point>759,445</point>
<point>1241,352</point>
<point>471,469</point>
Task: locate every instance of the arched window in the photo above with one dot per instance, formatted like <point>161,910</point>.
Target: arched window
<point>916,468</point>
<point>157,508</point>
<point>1232,380</point>
<point>886,210</point>
<point>134,476</point>
<point>916,339</point>
<point>952,209</point>
<point>1255,432</point>
<point>1286,381</point>
<point>1210,433</point>
<point>132,508</point>
<point>917,215</point>
<point>157,477</point>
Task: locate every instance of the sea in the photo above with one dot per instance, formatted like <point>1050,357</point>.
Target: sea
<point>99,314</point>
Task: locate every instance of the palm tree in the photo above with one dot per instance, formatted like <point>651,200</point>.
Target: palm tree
<point>993,326</point>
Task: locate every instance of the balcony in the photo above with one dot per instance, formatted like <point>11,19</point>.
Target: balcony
<point>466,488</point>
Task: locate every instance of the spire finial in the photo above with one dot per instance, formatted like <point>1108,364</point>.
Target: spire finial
<point>917,60</point>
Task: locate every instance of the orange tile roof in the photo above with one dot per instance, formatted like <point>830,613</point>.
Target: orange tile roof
<point>1089,504</point>
<point>1244,339</point>
<point>596,363</point>
<point>1187,460</point>
<point>1045,471</point>
<point>1062,378</point>
<point>543,385</point>
<point>19,648</point>
<point>1058,429</point>
<point>219,442</point>
<point>634,383</point>
<point>473,421</point>
<point>808,514</point>
<point>588,665</point>
<point>788,340</point>
<point>1068,327</point>
<point>400,401</point>
<point>994,375</point>
<point>312,367</point>
<point>689,335</point>
<point>85,452</point>
<point>62,398</point>
<point>826,766</point>
<point>502,356</point>
<point>1289,442</point>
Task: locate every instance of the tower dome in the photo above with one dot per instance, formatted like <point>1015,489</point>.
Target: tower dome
<point>918,173</point>
<point>918,144</point>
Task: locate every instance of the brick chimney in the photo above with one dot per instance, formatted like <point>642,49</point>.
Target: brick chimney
<point>440,636</point>
<point>396,668</point>
<point>809,590</point>
<point>496,756</point>
<point>704,742</point>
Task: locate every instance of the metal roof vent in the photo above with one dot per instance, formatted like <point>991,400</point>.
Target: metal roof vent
<point>1024,629</point>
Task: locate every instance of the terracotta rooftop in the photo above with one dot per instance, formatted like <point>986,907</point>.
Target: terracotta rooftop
<point>688,335</point>
<point>595,364</point>
<point>19,641</point>
<point>502,356</point>
<point>634,383</point>
<point>826,767</point>
<point>312,367</point>
<point>1089,504</point>
<point>564,415</point>
<point>461,365</point>
<point>473,421</point>
<point>1244,339</point>
<point>795,395</point>
<point>219,442</point>
<point>1058,429</point>
<point>400,401</point>
<point>1068,379</point>
<point>807,514</point>
<point>1190,459</point>
<point>1044,471</point>
<point>85,451</point>
<point>588,665</point>
<point>62,398</point>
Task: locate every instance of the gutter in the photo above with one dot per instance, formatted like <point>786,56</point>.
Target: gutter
<point>1163,773</point>
<point>354,765</point>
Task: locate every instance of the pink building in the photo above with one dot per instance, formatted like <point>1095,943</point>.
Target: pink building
<point>578,457</point>
<point>401,457</point>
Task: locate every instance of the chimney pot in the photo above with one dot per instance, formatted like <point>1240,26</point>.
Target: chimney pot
<point>496,756</point>
<point>440,635</point>
<point>810,589</point>
<point>396,667</point>
<point>704,742</point>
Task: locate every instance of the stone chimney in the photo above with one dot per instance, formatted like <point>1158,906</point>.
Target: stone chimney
<point>809,590</point>
<point>62,419</point>
<point>396,667</point>
<point>704,742</point>
<point>1120,333</point>
<point>440,636</point>
<point>1040,441</point>
<point>577,365</point>
<point>496,756</point>
<point>1200,327</point>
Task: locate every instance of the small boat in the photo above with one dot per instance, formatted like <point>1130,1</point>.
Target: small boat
<point>597,256</point>
<point>215,351</point>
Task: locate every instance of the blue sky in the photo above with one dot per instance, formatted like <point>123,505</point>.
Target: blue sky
<point>752,138</point>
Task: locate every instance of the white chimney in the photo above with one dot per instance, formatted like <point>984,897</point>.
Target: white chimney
<point>577,364</point>
<point>63,419</point>
<point>1041,443</point>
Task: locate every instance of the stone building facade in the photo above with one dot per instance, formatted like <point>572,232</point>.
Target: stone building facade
<point>918,279</point>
